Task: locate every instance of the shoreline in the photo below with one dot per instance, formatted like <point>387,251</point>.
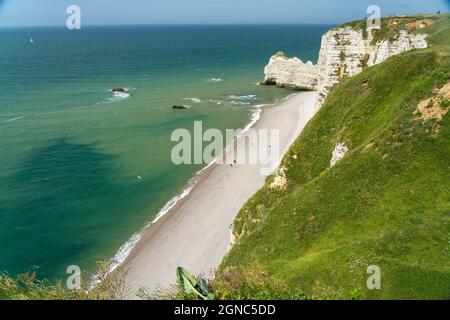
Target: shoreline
<point>204,226</point>
<point>124,251</point>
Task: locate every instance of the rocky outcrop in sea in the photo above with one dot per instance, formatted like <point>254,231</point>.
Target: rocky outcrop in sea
<point>292,73</point>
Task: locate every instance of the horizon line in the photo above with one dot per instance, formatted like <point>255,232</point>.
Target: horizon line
<point>170,25</point>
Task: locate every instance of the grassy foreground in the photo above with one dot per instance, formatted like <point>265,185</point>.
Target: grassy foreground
<point>387,203</point>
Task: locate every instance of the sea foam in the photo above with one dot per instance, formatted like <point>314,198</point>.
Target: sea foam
<point>195,100</point>
<point>243,97</point>
<point>116,96</point>
<point>15,119</point>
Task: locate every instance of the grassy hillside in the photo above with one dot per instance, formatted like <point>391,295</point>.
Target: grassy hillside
<point>387,203</point>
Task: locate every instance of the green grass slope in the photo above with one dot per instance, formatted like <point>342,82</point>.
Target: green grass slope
<point>387,203</point>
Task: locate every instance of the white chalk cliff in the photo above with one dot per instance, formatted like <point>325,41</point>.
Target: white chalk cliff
<point>344,52</point>
<point>290,73</point>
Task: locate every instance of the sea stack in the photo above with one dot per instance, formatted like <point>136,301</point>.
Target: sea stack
<point>292,73</point>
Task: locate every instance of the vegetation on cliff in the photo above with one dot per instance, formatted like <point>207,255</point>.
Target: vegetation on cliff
<point>385,204</point>
<point>390,27</point>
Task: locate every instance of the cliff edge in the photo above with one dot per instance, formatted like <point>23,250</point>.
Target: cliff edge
<point>346,51</point>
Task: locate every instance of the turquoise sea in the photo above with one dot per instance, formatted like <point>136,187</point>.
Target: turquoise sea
<point>82,170</point>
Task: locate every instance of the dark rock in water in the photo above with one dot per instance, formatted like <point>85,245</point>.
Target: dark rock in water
<point>268,82</point>
<point>118,90</point>
<point>179,107</point>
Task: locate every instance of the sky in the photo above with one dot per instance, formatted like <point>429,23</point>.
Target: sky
<point>136,12</point>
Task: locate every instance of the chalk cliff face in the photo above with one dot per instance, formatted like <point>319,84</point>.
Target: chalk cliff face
<point>290,73</point>
<point>339,152</point>
<point>344,52</point>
